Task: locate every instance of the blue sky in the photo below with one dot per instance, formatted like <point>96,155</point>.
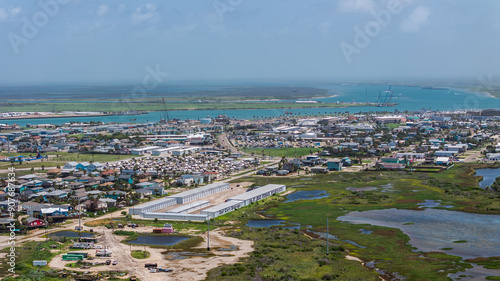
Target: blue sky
<point>105,41</point>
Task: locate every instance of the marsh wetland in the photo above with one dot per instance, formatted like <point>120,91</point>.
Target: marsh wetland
<point>405,226</point>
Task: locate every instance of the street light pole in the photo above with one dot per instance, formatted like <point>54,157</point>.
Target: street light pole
<point>208,233</point>
<point>80,222</point>
<point>327,234</point>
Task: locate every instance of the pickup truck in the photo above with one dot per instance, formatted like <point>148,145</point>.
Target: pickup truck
<point>165,269</point>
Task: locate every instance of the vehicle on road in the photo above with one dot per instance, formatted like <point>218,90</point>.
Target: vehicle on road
<point>165,269</point>
<point>149,265</point>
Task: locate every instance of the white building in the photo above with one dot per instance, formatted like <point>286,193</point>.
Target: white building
<point>258,193</point>
<point>223,208</point>
<point>143,150</point>
<point>199,192</point>
<point>152,206</point>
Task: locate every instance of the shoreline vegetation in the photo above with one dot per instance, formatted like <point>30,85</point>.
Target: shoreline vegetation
<point>387,249</point>
<point>106,109</point>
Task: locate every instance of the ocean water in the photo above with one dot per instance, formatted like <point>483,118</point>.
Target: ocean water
<point>408,98</point>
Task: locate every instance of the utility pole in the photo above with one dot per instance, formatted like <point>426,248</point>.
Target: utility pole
<point>327,234</point>
<point>80,222</point>
<point>208,233</point>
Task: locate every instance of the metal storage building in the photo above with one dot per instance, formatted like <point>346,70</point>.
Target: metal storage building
<point>199,192</point>
<point>223,208</point>
<point>190,207</point>
<point>175,216</point>
<point>258,193</point>
<point>152,206</point>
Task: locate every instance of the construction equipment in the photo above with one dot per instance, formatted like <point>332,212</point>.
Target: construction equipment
<point>165,118</point>
<point>385,100</point>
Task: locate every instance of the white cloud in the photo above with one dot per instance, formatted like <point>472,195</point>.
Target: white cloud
<point>145,12</point>
<point>324,28</point>
<point>3,15</point>
<point>15,10</point>
<point>121,8</point>
<point>416,20</point>
<point>11,12</point>
<point>356,5</point>
<point>102,10</point>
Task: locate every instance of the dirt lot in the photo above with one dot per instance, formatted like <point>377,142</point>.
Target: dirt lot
<point>194,268</point>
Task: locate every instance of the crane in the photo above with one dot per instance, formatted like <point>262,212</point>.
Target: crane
<point>387,99</point>
<point>166,118</point>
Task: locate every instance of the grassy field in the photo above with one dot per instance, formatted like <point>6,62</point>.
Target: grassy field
<point>392,126</point>
<point>67,157</point>
<point>26,254</point>
<point>139,254</point>
<point>281,254</point>
<point>279,152</point>
<point>388,247</point>
<point>157,106</point>
<point>181,226</point>
<point>59,159</point>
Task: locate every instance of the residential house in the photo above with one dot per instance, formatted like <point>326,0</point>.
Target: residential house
<point>82,166</point>
<point>334,164</point>
<point>70,166</point>
<point>34,222</point>
<point>96,166</point>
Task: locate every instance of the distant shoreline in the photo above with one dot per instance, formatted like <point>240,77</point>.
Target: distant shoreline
<point>38,116</point>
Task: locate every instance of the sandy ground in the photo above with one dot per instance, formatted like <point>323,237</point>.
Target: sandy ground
<point>194,268</point>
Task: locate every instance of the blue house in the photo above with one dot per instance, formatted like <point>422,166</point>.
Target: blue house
<point>126,178</point>
<point>146,184</point>
<point>115,194</point>
<point>83,166</point>
<point>334,165</point>
<point>346,161</point>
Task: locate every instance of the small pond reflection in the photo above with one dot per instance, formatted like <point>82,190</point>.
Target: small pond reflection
<point>306,195</point>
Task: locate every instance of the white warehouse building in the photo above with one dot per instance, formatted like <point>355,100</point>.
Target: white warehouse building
<point>152,205</point>
<point>258,193</point>
<point>200,192</point>
<point>222,209</point>
<point>175,216</point>
<point>190,207</point>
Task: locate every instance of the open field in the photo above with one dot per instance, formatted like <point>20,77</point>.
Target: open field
<point>280,253</point>
<point>157,106</point>
<point>279,152</point>
<point>59,159</point>
<point>388,247</point>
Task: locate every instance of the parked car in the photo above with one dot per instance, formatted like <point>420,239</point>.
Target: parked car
<point>108,262</point>
<point>115,263</point>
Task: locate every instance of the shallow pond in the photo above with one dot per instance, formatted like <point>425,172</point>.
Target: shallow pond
<point>334,237</point>
<point>434,229</point>
<point>264,223</point>
<point>476,273</point>
<point>70,234</point>
<point>184,255</point>
<point>270,223</point>
<point>306,195</point>
<point>358,189</point>
<point>432,204</point>
<point>489,176</point>
<point>158,240</point>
